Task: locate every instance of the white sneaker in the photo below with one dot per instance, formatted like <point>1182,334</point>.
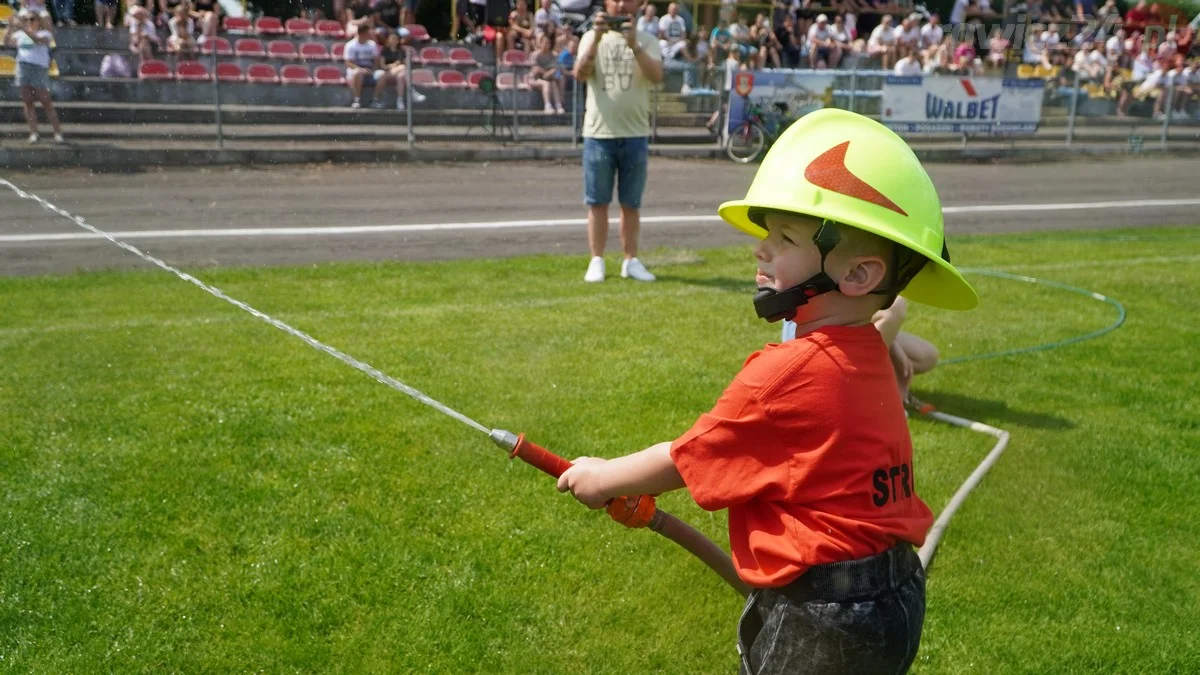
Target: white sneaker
<point>356,104</point>
<point>33,138</point>
<point>595,272</point>
<point>400,103</point>
<point>548,109</point>
<point>685,90</point>
<point>417,97</point>
<point>633,268</point>
<point>58,138</point>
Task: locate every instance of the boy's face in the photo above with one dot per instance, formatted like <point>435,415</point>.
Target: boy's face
<point>787,256</point>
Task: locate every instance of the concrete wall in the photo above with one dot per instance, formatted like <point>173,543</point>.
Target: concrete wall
<point>111,90</point>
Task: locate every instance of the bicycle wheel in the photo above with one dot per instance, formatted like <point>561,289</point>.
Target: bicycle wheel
<point>745,143</point>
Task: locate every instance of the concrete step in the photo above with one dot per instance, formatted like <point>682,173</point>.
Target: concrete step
<point>173,134</point>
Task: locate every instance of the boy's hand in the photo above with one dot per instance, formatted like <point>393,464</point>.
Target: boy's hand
<point>583,481</point>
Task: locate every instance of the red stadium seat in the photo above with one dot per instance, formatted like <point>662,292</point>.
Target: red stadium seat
<point>262,73</point>
<point>298,27</point>
<point>509,81</point>
<point>423,77</point>
<point>329,28</point>
<point>218,44</point>
<point>191,71</point>
<point>461,56</point>
<point>416,32</point>
<point>154,70</point>
<point>325,75</point>
<point>338,51</point>
<point>314,51</point>
<point>476,77</point>
<point>294,74</point>
<point>269,25</point>
<point>230,72</point>
<point>433,56</point>
<point>514,57</point>
<point>282,49</point>
<point>249,47</point>
<point>235,24</point>
<point>451,79</point>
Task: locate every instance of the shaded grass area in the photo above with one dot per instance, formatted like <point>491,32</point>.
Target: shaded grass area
<point>186,488</point>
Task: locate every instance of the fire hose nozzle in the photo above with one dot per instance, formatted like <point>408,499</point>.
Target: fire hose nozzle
<point>505,439</point>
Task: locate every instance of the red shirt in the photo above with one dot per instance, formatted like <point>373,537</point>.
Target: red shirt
<point>809,450</point>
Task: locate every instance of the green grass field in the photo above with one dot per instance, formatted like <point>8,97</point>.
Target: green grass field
<point>185,488</point>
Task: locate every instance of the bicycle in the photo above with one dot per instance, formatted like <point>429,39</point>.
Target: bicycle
<point>759,130</point>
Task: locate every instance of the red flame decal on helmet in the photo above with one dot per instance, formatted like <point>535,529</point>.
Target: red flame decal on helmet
<point>829,171</point>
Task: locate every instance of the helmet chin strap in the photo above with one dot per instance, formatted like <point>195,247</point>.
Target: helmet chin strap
<point>774,305</point>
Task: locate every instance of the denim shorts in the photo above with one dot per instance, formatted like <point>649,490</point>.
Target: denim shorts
<point>621,158</point>
<point>859,616</point>
<point>30,75</point>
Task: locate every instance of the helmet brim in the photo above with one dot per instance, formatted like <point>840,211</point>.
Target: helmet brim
<point>938,284</point>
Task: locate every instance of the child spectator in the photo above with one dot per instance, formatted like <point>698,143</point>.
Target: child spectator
<point>182,29</point>
<point>808,448</point>
<point>546,77</point>
<point>395,70</point>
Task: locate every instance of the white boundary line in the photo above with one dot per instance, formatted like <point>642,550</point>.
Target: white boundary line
<point>514,224</point>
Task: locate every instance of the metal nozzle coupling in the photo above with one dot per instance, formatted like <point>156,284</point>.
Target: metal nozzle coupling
<point>504,439</point>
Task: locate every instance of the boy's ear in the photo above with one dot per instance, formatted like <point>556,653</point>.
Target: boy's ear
<point>864,274</point>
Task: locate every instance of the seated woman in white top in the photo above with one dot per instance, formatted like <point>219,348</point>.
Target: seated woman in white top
<point>882,42</point>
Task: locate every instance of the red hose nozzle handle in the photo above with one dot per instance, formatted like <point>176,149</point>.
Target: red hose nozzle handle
<point>629,511</point>
<point>530,453</point>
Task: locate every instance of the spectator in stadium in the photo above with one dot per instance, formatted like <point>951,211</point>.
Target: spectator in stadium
<point>765,42</point>
<point>939,62</point>
<point>672,31</point>
<point>685,61</point>
<point>408,12</point>
<point>908,65</point>
<point>395,70</point>
<point>823,50</point>
<point>545,21</point>
<point>106,13</point>
<point>699,40</point>
<point>358,13</point>
<point>1149,88</point>
<point>364,66</point>
<point>743,39</point>
<point>842,35</point>
<point>720,42</point>
<point>620,66</point>
<point>183,28</point>
<point>545,76</point>
<point>208,13</point>
<point>64,12</point>
<point>997,48</point>
<point>566,57</point>
<point>882,42</point>
<point>789,42</point>
<point>27,32</point>
<point>1091,65</point>
<point>648,22</point>
<point>387,14</point>
<point>1137,18</point>
<point>520,27</point>
<point>931,35</point>
<point>143,37</point>
<point>1184,79</point>
<point>908,33</point>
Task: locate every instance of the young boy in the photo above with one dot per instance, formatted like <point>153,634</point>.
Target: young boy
<point>808,448</point>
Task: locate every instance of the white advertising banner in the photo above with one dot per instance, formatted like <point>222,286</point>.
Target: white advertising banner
<point>936,104</point>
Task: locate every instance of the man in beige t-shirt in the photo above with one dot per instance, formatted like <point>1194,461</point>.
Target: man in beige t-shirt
<point>619,65</point>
